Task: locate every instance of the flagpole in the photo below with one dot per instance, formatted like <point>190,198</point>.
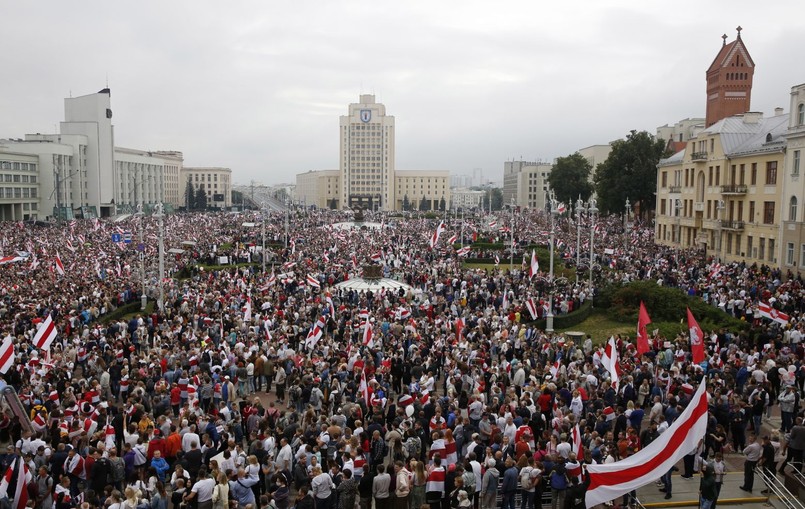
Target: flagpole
<point>511,253</point>
<point>593,210</point>
<point>549,317</point>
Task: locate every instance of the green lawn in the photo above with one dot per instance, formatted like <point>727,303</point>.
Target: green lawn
<point>602,327</point>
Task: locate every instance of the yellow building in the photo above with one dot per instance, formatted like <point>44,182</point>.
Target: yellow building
<point>793,225</point>
<point>319,188</point>
<point>722,193</point>
<point>422,187</point>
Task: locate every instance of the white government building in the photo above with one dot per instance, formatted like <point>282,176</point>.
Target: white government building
<point>367,176</point>
<point>79,172</point>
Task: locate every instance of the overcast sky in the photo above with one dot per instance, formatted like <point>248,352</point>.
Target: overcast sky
<point>259,86</point>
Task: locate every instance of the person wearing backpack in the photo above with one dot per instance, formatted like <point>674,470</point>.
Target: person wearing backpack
<point>527,486</point>
<point>44,489</point>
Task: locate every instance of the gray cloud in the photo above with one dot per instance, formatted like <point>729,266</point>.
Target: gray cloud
<point>258,86</point>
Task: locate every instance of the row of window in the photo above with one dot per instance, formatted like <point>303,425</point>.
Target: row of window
<point>732,76</point>
<point>210,177</point>
<point>739,177</point>
<point>24,179</point>
<point>16,165</point>
<point>18,192</point>
<point>789,254</point>
<point>684,208</point>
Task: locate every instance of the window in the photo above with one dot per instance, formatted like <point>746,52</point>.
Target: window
<point>753,175</point>
<point>802,255</point>
<point>729,243</point>
<point>789,253</point>
<point>771,173</point>
<point>792,209</point>
<point>743,174</point>
<point>771,256</point>
<point>801,114</point>
<point>751,217</point>
<point>768,212</point>
<point>795,165</point>
<point>718,174</point>
<point>761,248</point>
<point>749,245</point>
<point>710,176</point>
<point>665,177</point>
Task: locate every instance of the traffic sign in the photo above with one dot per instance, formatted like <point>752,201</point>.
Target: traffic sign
<point>127,237</point>
<point>140,247</point>
<point>116,237</point>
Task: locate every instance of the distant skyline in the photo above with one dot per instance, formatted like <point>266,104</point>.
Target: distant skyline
<point>258,86</point>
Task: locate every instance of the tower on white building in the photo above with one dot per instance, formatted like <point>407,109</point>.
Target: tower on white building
<point>366,159</point>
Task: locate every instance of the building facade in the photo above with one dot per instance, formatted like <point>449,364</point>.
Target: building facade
<point>366,156</point>
<point>677,135</point>
<point>422,189</point>
<point>215,181</point>
<point>792,233</point>
<point>525,184</point>
<point>19,185</point>
<point>91,116</point>
<point>140,178</point>
<point>722,193</point>
<point>173,160</point>
<point>319,188</point>
<point>463,198</point>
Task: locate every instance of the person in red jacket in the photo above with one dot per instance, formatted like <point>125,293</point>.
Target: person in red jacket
<point>157,443</point>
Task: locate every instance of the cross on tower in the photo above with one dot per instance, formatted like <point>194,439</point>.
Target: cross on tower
<point>739,31</point>
<point>724,40</point>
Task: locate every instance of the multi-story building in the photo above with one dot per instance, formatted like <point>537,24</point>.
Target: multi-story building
<point>422,189</point>
<point>366,177</point>
<point>173,161</point>
<point>722,192</point>
<point>140,178</point>
<point>677,135</point>
<point>526,183</point>
<point>366,156</point>
<point>19,185</point>
<point>319,188</point>
<point>90,116</point>
<point>463,198</point>
<point>215,181</point>
<point>792,234</point>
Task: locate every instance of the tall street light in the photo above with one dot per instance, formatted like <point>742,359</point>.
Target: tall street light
<point>263,234</point>
<point>581,208</point>
<point>159,213</point>
<point>549,318</point>
<point>141,249</point>
<point>592,210</point>
<point>511,252</point>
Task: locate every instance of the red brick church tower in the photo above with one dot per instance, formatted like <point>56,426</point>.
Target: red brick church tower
<point>729,81</point>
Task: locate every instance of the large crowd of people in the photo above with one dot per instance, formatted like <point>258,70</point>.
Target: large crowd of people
<point>278,389</point>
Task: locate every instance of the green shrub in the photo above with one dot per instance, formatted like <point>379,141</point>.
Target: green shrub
<point>568,320</point>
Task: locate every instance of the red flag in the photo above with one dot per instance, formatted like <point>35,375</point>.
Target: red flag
<point>459,328</point>
<point>696,339</point>
<point>364,388</point>
<point>642,332</point>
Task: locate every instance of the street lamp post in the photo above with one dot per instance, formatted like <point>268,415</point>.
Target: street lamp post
<point>678,207</point>
<point>287,214</point>
<point>159,213</point>
<point>592,210</point>
<point>511,251</point>
<point>140,248</point>
<point>580,210</point>
<point>719,208</point>
<point>263,234</point>
<point>549,318</point>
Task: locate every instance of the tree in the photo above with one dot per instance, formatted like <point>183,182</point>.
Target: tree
<point>630,171</point>
<point>189,196</point>
<point>497,198</point>
<point>406,203</point>
<point>201,199</point>
<point>442,204</point>
<point>570,177</point>
<point>424,204</point>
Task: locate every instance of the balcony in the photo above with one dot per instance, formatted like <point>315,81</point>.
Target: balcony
<point>734,189</point>
<point>732,225</point>
<point>675,189</point>
<point>699,156</point>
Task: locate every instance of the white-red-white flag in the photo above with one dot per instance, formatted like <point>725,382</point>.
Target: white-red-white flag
<point>15,483</point>
<point>611,362</point>
<point>505,304</point>
<point>534,268</point>
<point>464,251</point>
<point>767,311</point>
<point>497,260</point>
<point>364,388</point>
<point>312,281</point>
<point>453,239</point>
<point>577,447</point>
<point>247,310</point>
<point>59,265</point>
<point>532,308</point>
<point>696,339</point>
<point>434,239</point>
<point>609,481</point>
<point>555,369</point>
<point>368,339</point>
<point>45,334</point>
<point>6,354</point>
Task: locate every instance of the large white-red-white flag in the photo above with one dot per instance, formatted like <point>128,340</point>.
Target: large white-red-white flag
<point>435,237</point>
<point>577,447</point>
<point>364,387</point>
<point>696,339</point>
<point>45,334</point>
<point>766,311</point>
<point>609,481</point>
<point>368,332</point>
<point>642,330</point>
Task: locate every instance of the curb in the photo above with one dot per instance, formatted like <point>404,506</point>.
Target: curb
<point>695,503</point>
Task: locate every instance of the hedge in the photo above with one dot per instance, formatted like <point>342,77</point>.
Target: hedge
<point>126,309</point>
<point>666,307</point>
<point>567,320</point>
